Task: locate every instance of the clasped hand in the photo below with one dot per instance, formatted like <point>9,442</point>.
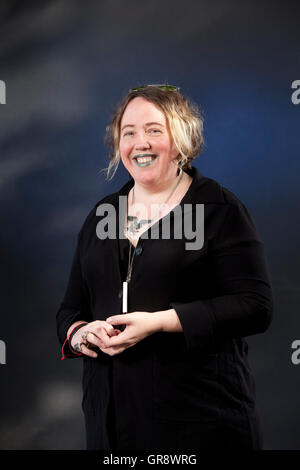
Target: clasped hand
<point>111,340</point>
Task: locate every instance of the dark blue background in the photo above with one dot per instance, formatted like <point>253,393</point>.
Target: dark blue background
<point>66,65</point>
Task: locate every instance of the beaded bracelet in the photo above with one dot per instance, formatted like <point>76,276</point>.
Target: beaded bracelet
<point>73,333</point>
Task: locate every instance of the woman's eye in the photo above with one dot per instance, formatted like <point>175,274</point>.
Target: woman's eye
<point>155,130</point>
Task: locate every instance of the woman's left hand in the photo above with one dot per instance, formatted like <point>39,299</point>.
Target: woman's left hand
<point>138,326</point>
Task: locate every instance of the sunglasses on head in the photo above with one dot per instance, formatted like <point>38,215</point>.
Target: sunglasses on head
<point>162,87</point>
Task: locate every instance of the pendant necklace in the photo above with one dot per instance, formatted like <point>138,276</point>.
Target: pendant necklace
<point>133,229</point>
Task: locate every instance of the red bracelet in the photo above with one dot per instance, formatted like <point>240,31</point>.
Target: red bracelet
<point>69,337</point>
<point>76,328</point>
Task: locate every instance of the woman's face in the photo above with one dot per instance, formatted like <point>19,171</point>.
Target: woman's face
<point>146,145</point>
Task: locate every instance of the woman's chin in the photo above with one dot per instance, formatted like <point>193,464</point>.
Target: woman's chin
<point>145,175</point>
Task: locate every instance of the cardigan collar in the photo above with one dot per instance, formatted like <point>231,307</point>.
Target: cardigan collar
<point>202,190</point>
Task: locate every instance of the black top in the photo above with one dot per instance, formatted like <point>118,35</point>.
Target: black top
<point>124,245</point>
<point>190,389</point>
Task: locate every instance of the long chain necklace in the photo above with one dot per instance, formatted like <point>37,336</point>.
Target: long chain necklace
<point>134,228</point>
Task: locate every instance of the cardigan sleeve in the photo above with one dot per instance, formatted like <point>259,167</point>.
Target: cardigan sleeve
<point>242,303</point>
<point>75,304</point>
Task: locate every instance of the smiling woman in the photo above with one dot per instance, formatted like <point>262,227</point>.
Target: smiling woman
<point>161,327</point>
<point>147,145</point>
<point>172,114</point>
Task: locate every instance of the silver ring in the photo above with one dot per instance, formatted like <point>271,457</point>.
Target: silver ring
<point>84,335</point>
<point>77,347</point>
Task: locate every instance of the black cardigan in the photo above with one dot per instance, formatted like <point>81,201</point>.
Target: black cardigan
<point>193,389</point>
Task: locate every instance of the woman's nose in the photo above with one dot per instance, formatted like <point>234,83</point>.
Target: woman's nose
<point>141,141</point>
<point>142,145</point>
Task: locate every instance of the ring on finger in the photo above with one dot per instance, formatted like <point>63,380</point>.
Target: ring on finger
<point>84,335</point>
<point>77,347</point>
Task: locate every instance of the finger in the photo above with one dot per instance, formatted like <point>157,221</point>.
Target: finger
<point>113,332</point>
<point>98,325</point>
<point>94,335</point>
<point>88,352</point>
<point>123,319</point>
<point>102,340</point>
<point>94,340</point>
<point>108,329</point>
<point>105,335</point>
<point>117,341</point>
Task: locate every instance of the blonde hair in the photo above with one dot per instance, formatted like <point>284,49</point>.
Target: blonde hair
<point>183,116</point>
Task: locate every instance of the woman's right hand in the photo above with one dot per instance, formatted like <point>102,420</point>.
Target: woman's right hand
<point>98,332</point>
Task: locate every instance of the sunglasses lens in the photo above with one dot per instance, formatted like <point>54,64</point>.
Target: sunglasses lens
<point>162,87</point>
<point>169,87</point>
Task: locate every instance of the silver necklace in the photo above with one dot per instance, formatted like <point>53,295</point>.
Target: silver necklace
<point>136,224</point>
<point>134,228</point>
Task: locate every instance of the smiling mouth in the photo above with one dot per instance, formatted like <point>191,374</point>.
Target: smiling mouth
<point>144,160</point>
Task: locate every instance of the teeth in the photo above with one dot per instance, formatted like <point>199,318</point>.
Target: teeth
<point>145,159</point>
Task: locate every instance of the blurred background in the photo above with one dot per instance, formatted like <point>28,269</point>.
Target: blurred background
<point>66,65</point>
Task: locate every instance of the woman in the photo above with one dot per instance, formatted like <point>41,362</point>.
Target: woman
<point>171,373</point>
